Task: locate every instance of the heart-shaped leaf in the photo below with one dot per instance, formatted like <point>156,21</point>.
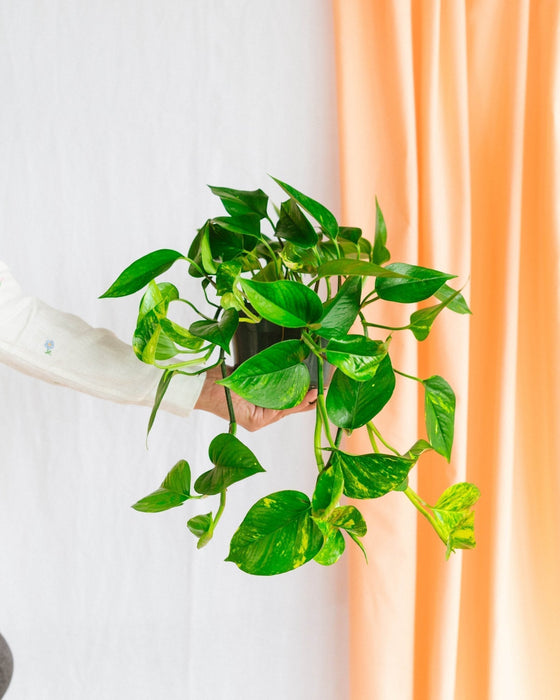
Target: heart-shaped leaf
<point>319,212</point>
<point>350,519</point>
<point>218,332</point>
<point>454,517</point>
<point>439,409</point>
<point>173,492</point>
<point>352,404</point>
<point>277,535</point>
<point>137,275</point>
<point>333,545</point>
<point>417,284</point>
<point>286,303</point>
<point>340,313</point>
<point>239,202</point>
<point>294,226</point>
<point>233,462</point>
<point>357,356</point>
<point>371,475</point>
<point>275,378</point>
<point>421,321</point>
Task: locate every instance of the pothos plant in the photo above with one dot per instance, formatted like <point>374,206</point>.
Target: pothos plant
<point>300,270</point>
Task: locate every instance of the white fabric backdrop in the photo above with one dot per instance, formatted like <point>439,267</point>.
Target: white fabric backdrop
<point>115,115</point>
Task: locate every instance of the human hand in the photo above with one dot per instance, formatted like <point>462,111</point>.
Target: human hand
<point>213,400</point>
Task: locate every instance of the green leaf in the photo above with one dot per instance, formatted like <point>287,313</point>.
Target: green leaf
<point>227,275</point>
<point>146,337</point>
<point>275,378</point>
<point>358,541</point>
<point>350,519</point>
<point>357,356</point>
<point>418,283</point>
<point>348,266</point>
<point>239,202</point>
<point>173,492</point>
<point>162,387</point>
<point>233,462</point>
<point>350,233</point>
<point>457,304</point>
<point>180,335</point>
<point>218,332</point>
<point>247,225</point>
<point>419,447</point>
<point>421,321</point>
<point>371,475</point>
<point>352,404</point>
<point>158,297</point>
<point>137,275</point>
<point>201,527</point>
<point>454,517</point>
<point>328,491</point>
<point>294,226</point>
<point>286,303</point>
<point>439,409</point>
<point>320,213</point>
<point>277,535</point>
<point>297,258</point>
<point>340,313</point>
<point>380,254</point>
<point>333,545</point>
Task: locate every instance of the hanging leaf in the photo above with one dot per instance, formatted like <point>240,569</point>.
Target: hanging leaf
<point>285,303</point>
<point>439,409</point>
<point>341,312</point>
<point>320,213</point>
<point>201,527</point>
<point>294,226</point>
<point>158,298</point>
<point>162,387</point>
<point>239,202</point>
<point>455,519</point>
<point>457,304</point>
<point>418,283</point>
<point>333,545</point>
<point>356,356</point>
<point>350,519</point>
<point>218,332</point>
<point>277,535</point>
<point>328,491</point>
<point>146,337</point>
<point>421,321</point>
<point>233,462</point>
<point>352,404</point>
<point>371,475</point>
<point>275,378</point>
<point>173,492</point>
<point>137,275</point>
<point>380,254</point>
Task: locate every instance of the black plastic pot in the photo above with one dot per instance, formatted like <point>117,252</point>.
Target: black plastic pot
<point>251,338</point>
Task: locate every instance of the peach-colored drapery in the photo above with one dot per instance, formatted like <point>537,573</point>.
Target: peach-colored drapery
<point>450,114</point>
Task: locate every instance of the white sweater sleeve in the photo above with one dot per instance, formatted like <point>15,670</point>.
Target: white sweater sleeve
<point>61,348</point>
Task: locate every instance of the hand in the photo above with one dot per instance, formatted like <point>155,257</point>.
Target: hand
<point>213,400</point>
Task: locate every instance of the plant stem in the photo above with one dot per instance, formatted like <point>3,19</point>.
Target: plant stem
<point>382,439</point>
<point>387,328</point>
<point>408,376</point>
<point>220,510</point>
<point>231,412</point>
<point>423,508</point>
<point>372,438</point>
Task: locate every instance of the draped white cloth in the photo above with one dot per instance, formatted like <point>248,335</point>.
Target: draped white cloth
<point>115,115</point>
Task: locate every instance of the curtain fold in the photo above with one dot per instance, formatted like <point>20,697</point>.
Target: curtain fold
<point>448,113</point>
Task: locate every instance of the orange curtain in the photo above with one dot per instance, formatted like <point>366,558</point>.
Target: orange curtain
<point>450,114</point>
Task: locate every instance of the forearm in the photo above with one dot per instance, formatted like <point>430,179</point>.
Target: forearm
<point>61,348</point>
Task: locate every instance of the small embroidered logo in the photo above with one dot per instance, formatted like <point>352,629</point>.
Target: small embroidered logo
<point>49,346</point>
